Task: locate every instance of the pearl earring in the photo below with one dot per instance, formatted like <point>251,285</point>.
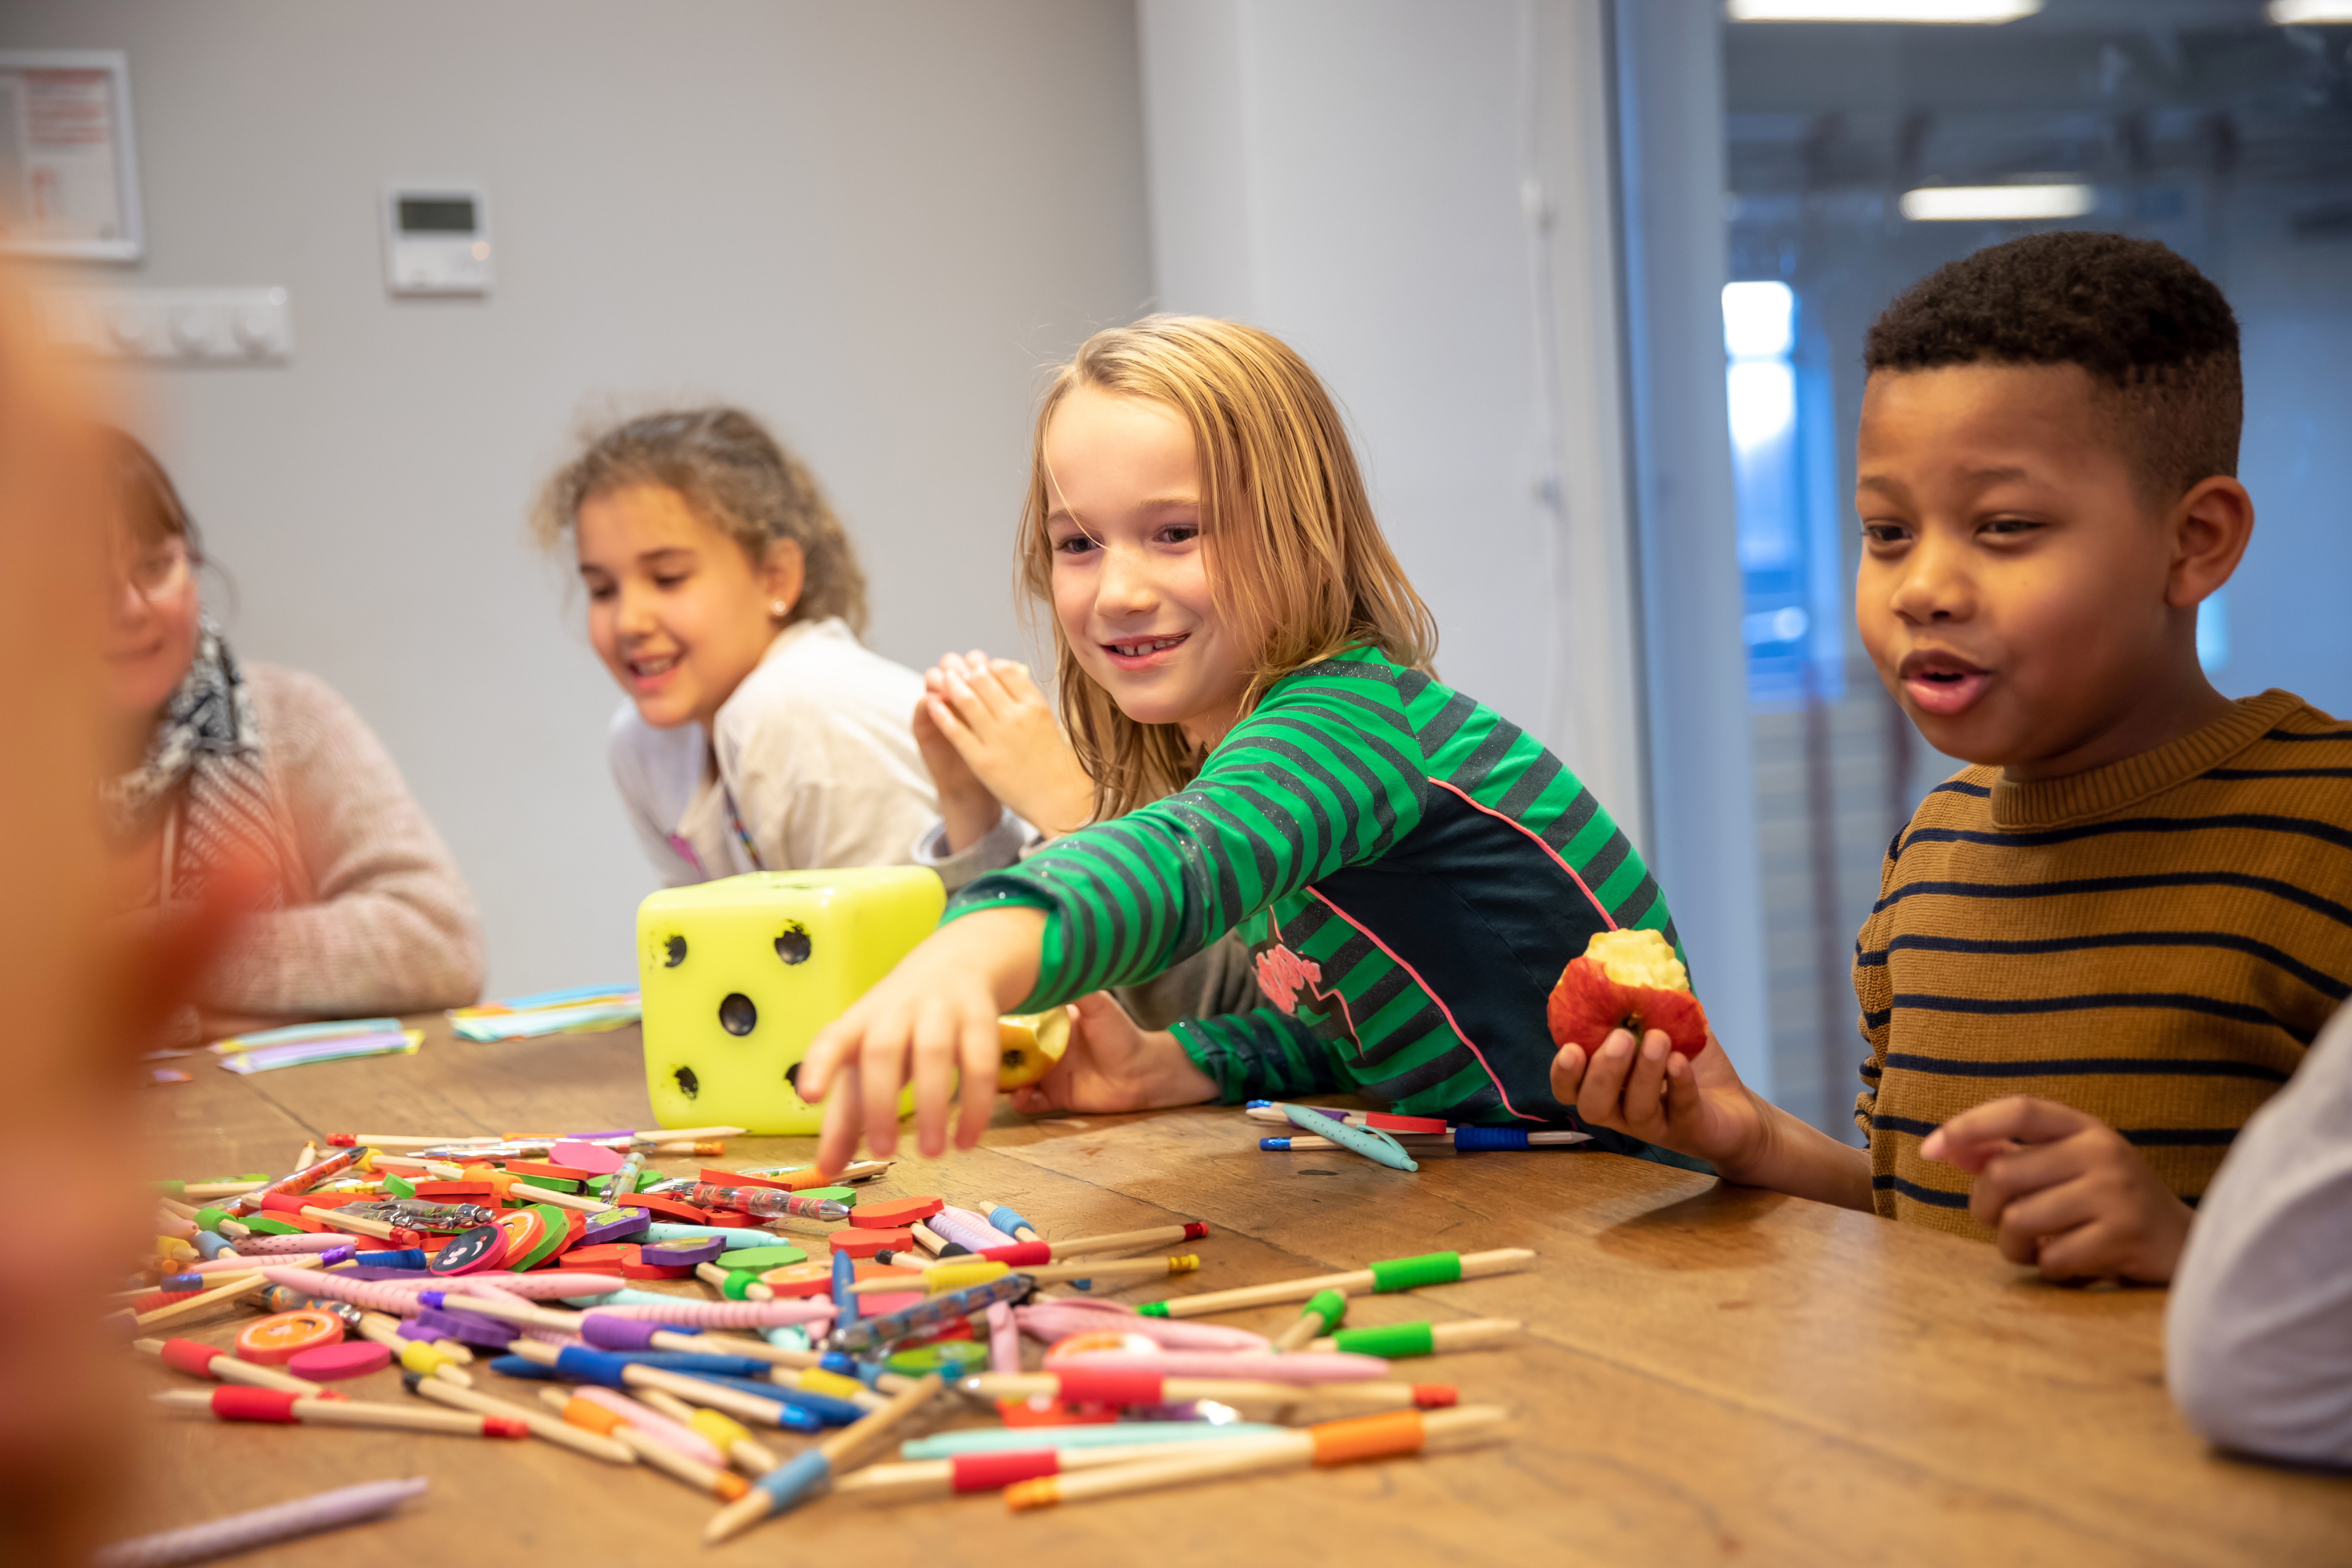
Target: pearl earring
<point>777,610</point>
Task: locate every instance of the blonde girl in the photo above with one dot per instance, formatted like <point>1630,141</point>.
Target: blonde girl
<point>1244,672</point>
<point>759,733</point>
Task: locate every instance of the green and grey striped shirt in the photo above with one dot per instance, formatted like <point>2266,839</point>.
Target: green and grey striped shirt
<point>1411,870</point>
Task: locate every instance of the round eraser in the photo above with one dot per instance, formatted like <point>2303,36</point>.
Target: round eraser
<point>277,1340</point>
<point>332,1363</point>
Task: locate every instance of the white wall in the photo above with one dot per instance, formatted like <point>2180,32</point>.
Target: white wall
<point>1703,771</point>
<point>1349,174</point>
<point>1354,176</point>
<point>869,224</point>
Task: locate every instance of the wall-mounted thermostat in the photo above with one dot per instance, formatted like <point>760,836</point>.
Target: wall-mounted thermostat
<point>436,239</point>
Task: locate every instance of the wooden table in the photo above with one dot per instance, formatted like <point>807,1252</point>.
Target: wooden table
<point>1710,1374</point>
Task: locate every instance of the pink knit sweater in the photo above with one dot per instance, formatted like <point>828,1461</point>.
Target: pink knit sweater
<point>375,917</point>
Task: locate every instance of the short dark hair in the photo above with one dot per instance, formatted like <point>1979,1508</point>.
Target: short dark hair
<point>2151,330</point>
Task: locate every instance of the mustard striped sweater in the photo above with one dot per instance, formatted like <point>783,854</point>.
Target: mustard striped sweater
<point>2154,942</point>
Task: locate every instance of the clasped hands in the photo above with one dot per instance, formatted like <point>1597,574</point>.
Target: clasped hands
<point>990,741</point>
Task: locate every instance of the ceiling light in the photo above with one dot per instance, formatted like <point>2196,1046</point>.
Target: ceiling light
<point>2309,13</point>
<point>1996,204</point>
<point>1979,11</point>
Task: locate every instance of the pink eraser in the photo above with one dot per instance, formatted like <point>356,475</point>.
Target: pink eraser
<point>332,1363</point>
<point>594,1158</point>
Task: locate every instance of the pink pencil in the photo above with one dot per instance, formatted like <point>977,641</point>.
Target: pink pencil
<point>1004,1338</point>
<point>966,1229</point>
<point>655,1425</point>
<point>1331,1366</point>
<point>264,1245</point>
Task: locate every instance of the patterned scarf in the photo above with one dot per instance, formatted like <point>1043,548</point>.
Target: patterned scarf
<point>206,738</point>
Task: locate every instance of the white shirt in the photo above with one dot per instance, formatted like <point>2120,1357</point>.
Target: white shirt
<point>816,752</point>
<point>2258,1331</point>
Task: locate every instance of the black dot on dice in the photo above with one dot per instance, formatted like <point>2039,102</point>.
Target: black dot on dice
<point>792,945</point>
<point>793,1078</point>
<point>674,953</point>
<point>687,1084</point>
<point>736,1015</point>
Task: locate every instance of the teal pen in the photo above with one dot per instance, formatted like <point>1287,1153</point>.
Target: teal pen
<point>1368,1141</point>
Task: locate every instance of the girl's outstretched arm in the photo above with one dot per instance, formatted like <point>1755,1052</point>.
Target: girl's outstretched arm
<point>931,1016</point>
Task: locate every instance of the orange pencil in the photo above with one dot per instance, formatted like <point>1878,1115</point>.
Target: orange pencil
<point>609,1424</point>
<point>1328,1443</point>
<point>561,1434</point>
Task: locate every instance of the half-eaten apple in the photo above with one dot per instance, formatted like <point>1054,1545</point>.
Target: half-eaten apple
<point>1626,980</point>
<point>1032,1042</point>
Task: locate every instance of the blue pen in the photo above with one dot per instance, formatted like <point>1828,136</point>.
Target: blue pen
<point>789,1482</point>
<point>1467,1139</point>
<point>845,1300</point>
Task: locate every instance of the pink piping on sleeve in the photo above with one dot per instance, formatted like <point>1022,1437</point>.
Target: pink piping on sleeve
<point>1433,996</point>
<point>1605,919</point>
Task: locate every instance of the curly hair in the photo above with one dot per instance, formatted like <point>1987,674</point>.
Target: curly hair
<point>2156,337</point>
<point>736,476</point>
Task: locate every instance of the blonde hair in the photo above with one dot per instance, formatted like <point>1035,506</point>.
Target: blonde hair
<point>1296,562</point>
<point>735,477</point>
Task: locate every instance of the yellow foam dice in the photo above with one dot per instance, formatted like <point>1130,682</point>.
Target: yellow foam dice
<point>738,974</point>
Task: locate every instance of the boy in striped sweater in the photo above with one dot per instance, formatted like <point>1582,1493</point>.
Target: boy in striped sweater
<point>2097,952</point>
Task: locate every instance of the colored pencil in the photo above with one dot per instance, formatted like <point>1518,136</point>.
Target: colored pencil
<point>205,1302</point>
<point>219,1366</point>
<point>240,1533</point>
<point>427,1358</point>
<point>1320,1315</point>
<point>918,1480</point>
<point>717,1274</point>
<point>1121,1241</point>
<point>1073,1385</point>
<point>1436,1339</point>
<point>1328,1443</point>
<point>956,1273</point>
<point>1397,1274</point>
<point>784,1486</point>
<point>560,1433</point>
<point>606,1422</point>
<point>1466,1140</point>
<point>751,1455</point>
<point>1010,1221</point>
<point>268,1405</point>
<point>735,1401</point>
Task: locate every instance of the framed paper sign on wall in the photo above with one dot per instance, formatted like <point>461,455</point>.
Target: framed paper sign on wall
<point>68,172</point>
